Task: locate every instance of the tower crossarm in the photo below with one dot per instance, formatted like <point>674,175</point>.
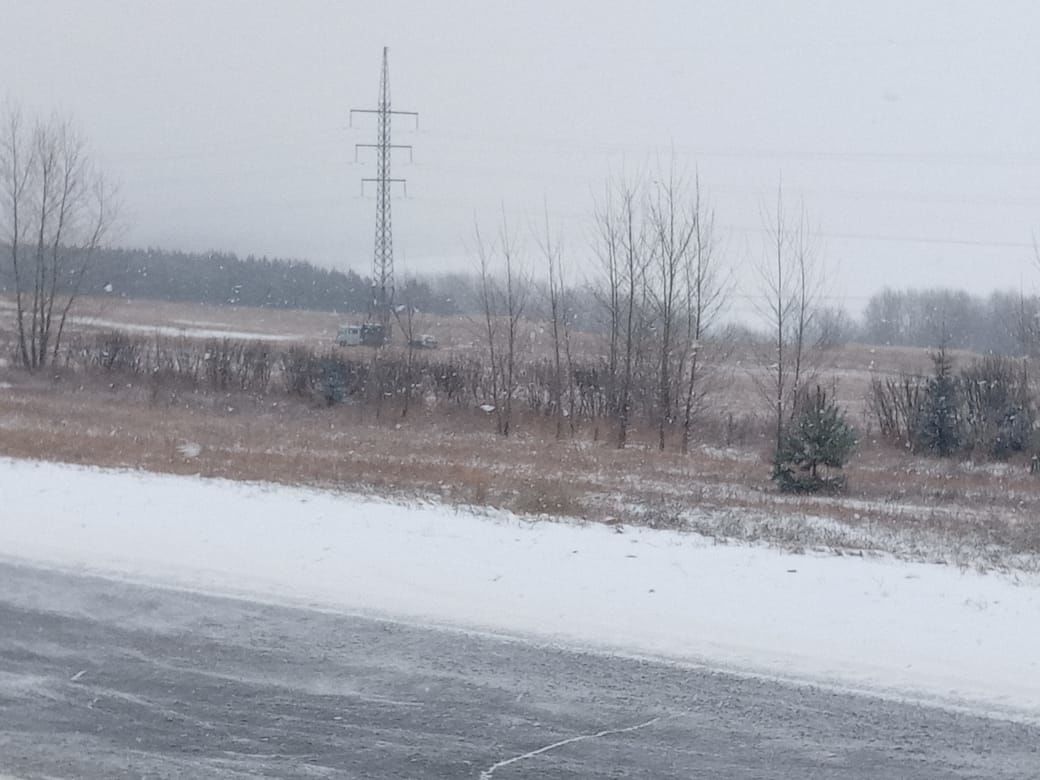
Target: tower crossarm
<point>389,146</point>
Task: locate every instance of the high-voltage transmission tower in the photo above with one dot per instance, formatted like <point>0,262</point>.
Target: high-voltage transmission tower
<point>381,303</point>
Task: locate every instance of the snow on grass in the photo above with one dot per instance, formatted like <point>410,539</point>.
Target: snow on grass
<point>927,632</point>
<point>184,331</point>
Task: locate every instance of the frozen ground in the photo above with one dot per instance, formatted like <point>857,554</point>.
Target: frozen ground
<point>920,631</point>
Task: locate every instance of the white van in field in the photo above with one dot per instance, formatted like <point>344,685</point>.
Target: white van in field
<point>369,334</point>
<point>349,336</point>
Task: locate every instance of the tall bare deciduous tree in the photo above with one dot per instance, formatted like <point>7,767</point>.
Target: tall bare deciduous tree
<point>661,290</point>
<point>791,278</point>
<point>673,223</point>
<point>56,209</point>
<point>606,243</point>
<point>410,322</point>
<point>503,289</point>
<point>559,320</point>
<point>706,288</point>
<point>624,245</point>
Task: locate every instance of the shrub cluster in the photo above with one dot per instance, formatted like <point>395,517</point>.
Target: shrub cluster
<point>216,364</point>
<point>987,409</point>
<point>330,377</point>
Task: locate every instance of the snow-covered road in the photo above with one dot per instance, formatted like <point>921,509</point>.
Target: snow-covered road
<point>919,631</point>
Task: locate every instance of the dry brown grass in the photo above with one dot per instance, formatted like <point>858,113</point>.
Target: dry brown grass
<point>957,512</point>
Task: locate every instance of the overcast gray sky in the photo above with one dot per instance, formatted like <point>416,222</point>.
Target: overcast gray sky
<point>908,129</point>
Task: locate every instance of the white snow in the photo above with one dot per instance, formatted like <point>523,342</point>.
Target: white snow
<point>189,449</point>
<point>184,331</point>
<point>925,632</point>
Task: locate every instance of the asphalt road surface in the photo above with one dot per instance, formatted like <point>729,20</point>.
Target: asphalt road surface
<point>100,679</point>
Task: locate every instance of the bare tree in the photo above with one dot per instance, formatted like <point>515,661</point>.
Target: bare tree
<point>623,244</point>
<point>558,318</point>
<point>660,292</point>
<point>706,291</point>
<point>503,301</point>
<point>790,284</point>
<point>674,226</point>
<point>806,300</point>
<point>56,210</point>
<point>606,243</point>
<point>409,321</point>
<point>488,297</point>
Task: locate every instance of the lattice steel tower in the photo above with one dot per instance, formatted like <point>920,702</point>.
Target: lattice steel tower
<point>381,302</point>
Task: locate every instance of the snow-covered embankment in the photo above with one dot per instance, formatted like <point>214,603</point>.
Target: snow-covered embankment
<point>923,631</point>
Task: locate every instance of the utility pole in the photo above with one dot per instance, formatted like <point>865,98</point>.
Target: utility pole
<point>381,302</point>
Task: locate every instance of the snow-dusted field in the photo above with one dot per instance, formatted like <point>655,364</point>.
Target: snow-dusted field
<point>921,631</point>
<point>183,330</point>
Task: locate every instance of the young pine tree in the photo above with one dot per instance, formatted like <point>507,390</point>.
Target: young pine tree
<point>940,429</point>
<point>816,442</point>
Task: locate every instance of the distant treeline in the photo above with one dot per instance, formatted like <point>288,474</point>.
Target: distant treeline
<point>1002,323</point>
<point>224,278</point>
